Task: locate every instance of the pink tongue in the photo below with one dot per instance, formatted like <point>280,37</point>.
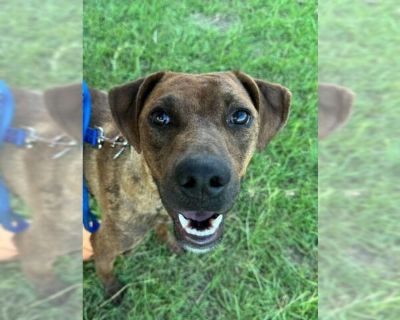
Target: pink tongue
<point>198,216</point>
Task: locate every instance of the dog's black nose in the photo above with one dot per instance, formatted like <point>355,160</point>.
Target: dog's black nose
<point>202,177</point>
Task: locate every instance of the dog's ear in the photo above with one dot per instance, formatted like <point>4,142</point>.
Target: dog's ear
<point>64,104</point>
<point>335,103</point>
<point>126,103</point>
<point>272,102</point>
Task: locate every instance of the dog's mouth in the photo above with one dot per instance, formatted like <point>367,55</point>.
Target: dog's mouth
<point>199,235</point>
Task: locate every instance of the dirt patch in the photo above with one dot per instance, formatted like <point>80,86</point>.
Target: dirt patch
<point>217,21</point>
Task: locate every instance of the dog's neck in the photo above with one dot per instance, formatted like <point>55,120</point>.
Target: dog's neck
<point>138,175</point>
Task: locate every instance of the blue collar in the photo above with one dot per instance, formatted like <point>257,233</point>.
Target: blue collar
<point>10,220</point>
<point>91,136</point>
<point>16,136</point>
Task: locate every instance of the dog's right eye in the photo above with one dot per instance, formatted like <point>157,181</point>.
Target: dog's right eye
<point>160,118</point>
<point>240,117</point>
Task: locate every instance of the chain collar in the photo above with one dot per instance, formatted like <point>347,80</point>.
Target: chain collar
<point>118,141</point>
<point>61,140</point>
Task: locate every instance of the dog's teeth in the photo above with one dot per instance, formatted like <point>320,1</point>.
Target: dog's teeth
<point>197,250</point>
<point>215,223</point>
<point>184,222</point>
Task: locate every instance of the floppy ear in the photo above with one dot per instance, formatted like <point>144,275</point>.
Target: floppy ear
<point>272,102</point>
<point>126,103</point>
<point>64,105</point>
<point>335,104</point>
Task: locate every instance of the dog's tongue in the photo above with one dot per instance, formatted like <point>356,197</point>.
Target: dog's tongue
<point>198,216</point>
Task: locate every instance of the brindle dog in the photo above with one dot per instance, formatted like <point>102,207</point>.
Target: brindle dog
<point>191,137</point>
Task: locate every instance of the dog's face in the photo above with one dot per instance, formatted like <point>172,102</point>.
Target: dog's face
<point>198,134</point>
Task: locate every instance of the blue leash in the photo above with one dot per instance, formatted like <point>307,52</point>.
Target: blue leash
<point>10,220</point>
<point>92,137</point>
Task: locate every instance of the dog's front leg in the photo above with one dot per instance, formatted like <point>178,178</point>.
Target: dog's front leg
<point>106,248</point>
<point>165,236</point>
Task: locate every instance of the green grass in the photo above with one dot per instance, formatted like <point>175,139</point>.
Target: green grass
<point>41,43</point>
<point>359,167</point>
<point>266,267</point>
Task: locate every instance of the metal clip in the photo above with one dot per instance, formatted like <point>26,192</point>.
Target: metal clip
<point>120,151</point>
<point>100,138</point>
<point>61,153</point>
<point>31,137</point>
<point>119,141</point>
<point>55,141</point>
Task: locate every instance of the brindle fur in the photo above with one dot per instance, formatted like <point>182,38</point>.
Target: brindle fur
<point>129,189</point>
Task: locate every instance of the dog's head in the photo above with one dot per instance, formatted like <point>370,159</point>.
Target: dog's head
<point>197,134</point>
<point>335,103</point>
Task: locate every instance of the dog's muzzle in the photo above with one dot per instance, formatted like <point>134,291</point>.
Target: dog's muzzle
<point>197,195</point>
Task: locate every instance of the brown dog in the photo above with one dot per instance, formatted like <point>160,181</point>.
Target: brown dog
<point>191,138</point>
<point>47,178</point>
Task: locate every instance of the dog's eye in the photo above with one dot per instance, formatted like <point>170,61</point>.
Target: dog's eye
<point>160,118</point>
<point>240,117</point>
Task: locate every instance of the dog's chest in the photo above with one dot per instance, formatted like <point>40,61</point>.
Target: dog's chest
<point>137,198</point>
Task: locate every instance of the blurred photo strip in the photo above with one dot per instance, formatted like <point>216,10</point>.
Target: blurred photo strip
<point>359,153</point>
<point>40,159</point>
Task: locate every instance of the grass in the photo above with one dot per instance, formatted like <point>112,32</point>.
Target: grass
<point>358,166</point>
<point>266,267</point>
<point>40,47</point>
<point>40,43</point>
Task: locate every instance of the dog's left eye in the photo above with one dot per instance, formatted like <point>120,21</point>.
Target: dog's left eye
<point>240,117</point>
<point>160,118</point>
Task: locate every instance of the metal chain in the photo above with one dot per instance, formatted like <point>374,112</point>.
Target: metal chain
<point>59,140</point>
<point>116,141</point>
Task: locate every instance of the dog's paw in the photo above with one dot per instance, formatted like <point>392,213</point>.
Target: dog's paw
<point>115,292</point>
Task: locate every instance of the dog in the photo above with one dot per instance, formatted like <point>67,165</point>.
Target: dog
<point>46,177</point>
<point>335,105</point>
<point>191,138</point>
